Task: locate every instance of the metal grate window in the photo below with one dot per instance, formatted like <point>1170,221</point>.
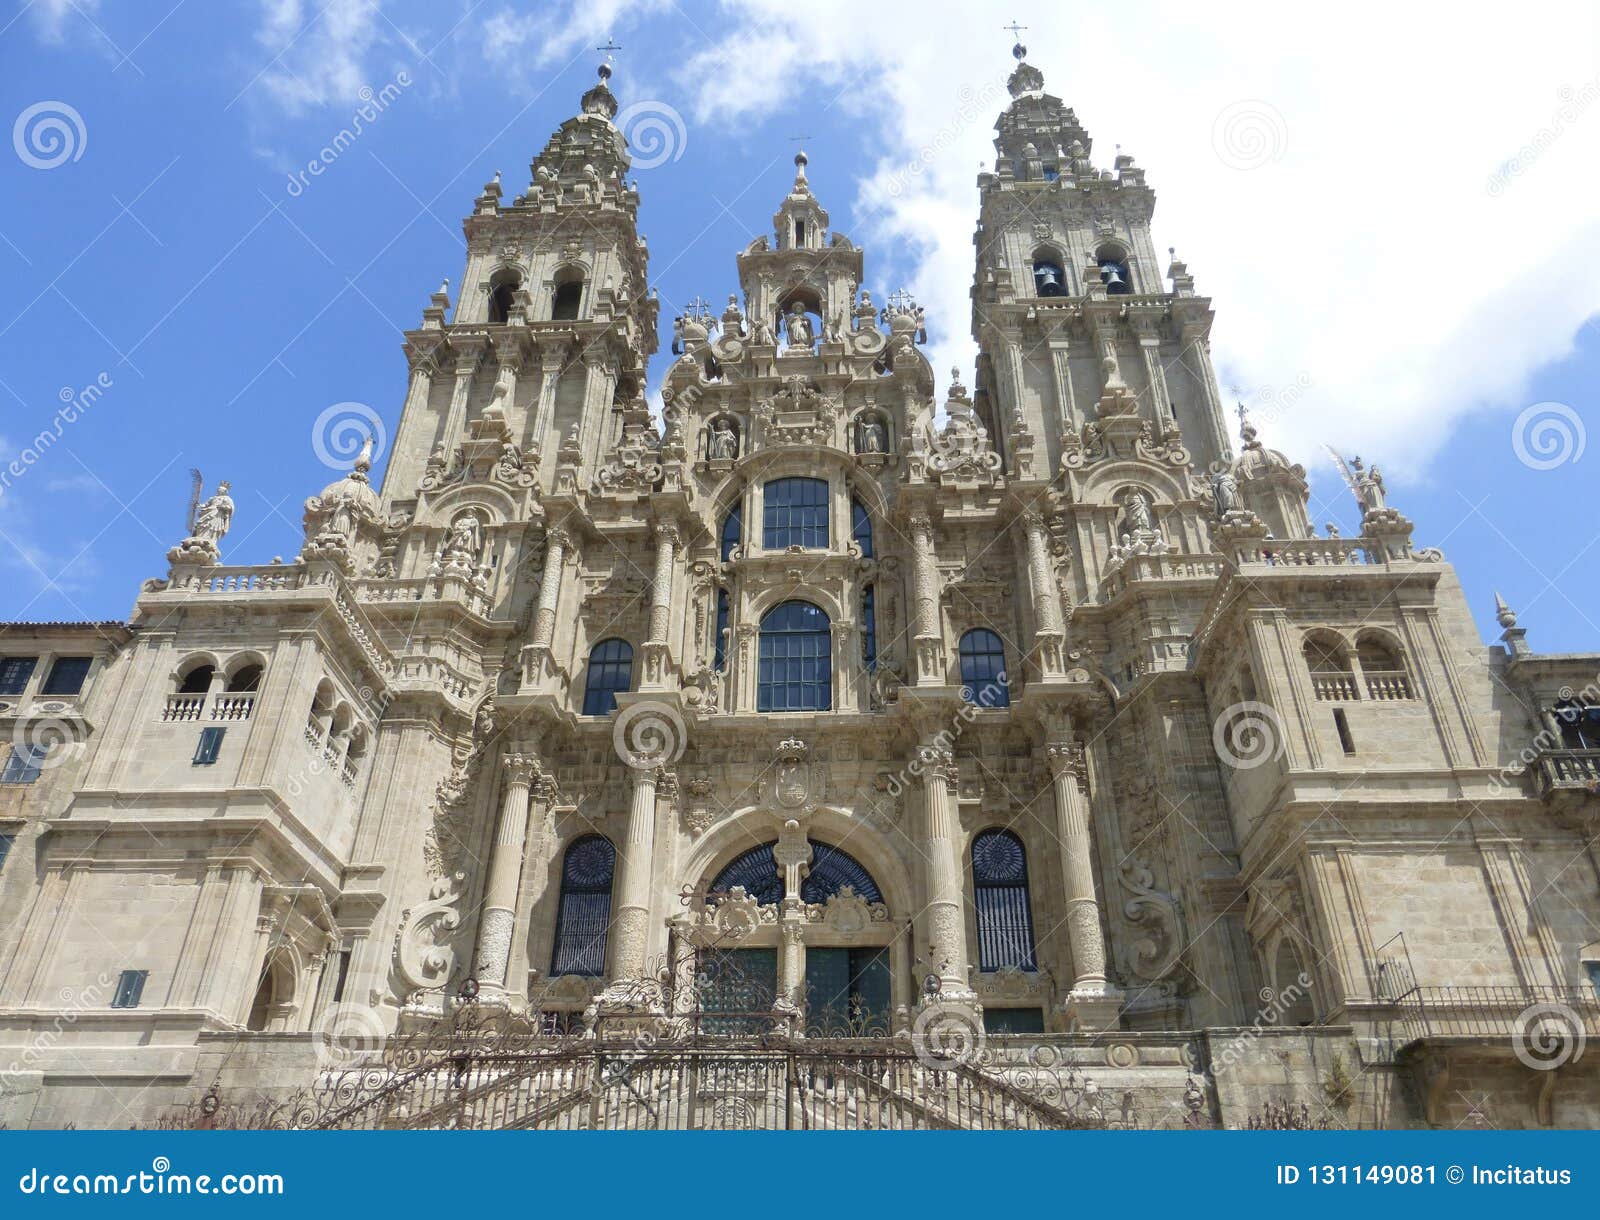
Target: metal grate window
<point>584,916</point>
<point>832,869</point>
<point>24,763</point>
<point>1005,913</point>
<point>794,671</point>
<point>869,628</point>
<point>720,644</point>
<point>66,676</point>
<point>610,671</point>
<point>795,513</point>
<point>14,674</point>
<point>130,988</point>
<point>210,745</point>
<point>983,669</point>
<point>757,872</point>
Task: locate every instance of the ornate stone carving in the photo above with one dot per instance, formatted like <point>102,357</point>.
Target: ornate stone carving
<point>425,950</point>
<point>1154,955</point>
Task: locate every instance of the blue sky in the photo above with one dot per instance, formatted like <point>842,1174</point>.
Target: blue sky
<point>1384,295</point>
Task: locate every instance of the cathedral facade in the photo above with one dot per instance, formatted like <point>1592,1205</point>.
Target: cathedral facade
<point>1031,725</point>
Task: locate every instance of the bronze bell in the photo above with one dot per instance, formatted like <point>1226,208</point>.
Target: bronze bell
<point>1048,281</point>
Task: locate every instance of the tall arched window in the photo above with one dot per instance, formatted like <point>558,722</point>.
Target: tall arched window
<point>732,530</point>
<point>1005,913</point>
<point>610,671</point>
<point>585,911</point>
<point>720,644</point>
<point>795,668</point>
<point>869,628</point>
<point>831,869</point>
<point>861,527</point>
<point>983,669</point>
<point>565,302</point>
<point>502,295</point>
<point>794,513</point>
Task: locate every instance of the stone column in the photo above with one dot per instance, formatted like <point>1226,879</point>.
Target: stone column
<point>1150,350</point>
<point>556,542</point>
<point>505,872</point>
<point>929,638</point>
<point>1050,631</point>
<point>1092,1003</point>
<point>945,932</point>
<point>656,648</point>
<point>792,853</point>
<point>455,422</point>
<point>630,921</point>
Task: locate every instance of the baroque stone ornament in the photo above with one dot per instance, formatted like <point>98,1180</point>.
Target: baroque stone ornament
<point>425,950</point>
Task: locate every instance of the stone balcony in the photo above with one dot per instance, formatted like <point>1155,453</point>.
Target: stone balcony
<point>1566,771</point>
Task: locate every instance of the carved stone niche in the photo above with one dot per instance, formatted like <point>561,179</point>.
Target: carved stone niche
<point>799,414</point>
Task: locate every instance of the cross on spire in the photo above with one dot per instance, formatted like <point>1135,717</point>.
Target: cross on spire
<point>609,47</point>
<point>901,301</point>
<point>699,307</point>
<point>1016,30</point>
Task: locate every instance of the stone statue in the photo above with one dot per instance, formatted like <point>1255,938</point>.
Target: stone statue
<point>212,519</point>
<point>724,441</point>
<point>798,326</point>
<point>760,332</point>
<point>1369,484</point>
<point>1225,493</point>
<point>1138,512</point>
<point>874,439</point>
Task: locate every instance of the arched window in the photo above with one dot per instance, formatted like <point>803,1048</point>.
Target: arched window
<point>861,527</point>
<point>831,869</point>
<point>610,671</point>
<point>1005,912</point>
<point>720,644</point>
<point>1048,280</point>
<point>869,628</point>
<point>756,872</point>
<point>1292,987</point>
<point>502,295</point>
<point>1329,664</point>
<point>565,302</point>
<point>585,911</point>
<point>983,669</point>
<point>245,679</point>
<point>197,681</point>
<point>1114,271</point>
<point>794,513</point>
<point>732,530</point>
<point>795,669</point>
<point>1382,669</point>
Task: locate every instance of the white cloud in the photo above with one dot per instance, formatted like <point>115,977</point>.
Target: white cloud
<point>1369,264</point>
<point>318,53</point>
<point>52,19</point>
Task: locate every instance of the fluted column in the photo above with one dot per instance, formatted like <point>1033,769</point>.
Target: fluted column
<point>555,553</point>
<point>1049,628</point>
<point>929,640</point>
<point>505,872</point>
<point>630,923</point>
<point>455,422</point>
<point>945,933</point>
<point>1093,1002</point>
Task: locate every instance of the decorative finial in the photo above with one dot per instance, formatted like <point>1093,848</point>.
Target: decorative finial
<point>1018,52</point>
<point>444,287</point>
<point>497,177</point>
<point>608,47</point>
<point>363,460</point>
<point>1504,614</point>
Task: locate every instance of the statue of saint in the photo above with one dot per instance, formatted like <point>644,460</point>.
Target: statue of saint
<point>212,519</point>
<point>799,326</point>
<point>1138,513</point>
<point>1225,493</point>
<point>1372,489</point>
<point>874,439</point>
<point>724,441</point>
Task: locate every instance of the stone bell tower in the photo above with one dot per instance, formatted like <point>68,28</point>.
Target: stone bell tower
<point>552,326</point>
<point>1075,328</point>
